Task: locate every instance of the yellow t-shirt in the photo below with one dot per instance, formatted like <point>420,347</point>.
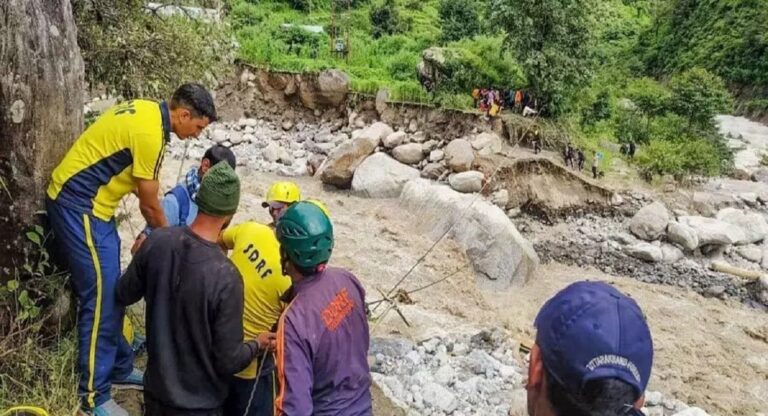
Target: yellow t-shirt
<point>125,144</point>
<point>256,254</point>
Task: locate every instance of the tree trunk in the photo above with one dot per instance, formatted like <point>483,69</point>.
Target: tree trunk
<point>41,110</point>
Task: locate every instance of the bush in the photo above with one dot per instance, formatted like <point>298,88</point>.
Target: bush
<point>385,20</point>
<point>698,95</point>
<point>458,19</point>
<point>692,157</point>
<point>649,96</point>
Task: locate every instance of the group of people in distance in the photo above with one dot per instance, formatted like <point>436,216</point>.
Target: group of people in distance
<point>251,318</point>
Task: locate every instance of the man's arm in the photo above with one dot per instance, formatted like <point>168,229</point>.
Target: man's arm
<point>132,285</point>
<point>230,354</point>
<point>295,372</point>
<point>149,204</point>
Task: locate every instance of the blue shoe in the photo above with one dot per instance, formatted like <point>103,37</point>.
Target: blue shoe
<point>134,381</point>
<point>108,408</point>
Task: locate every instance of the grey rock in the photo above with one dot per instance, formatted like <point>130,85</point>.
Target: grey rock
<point>671,254</point>
<point>248,138</point>
<point>653,398</point>
<point>752,225</point>
<point>459,155</point>
<point>683,235</point>
<point>413,126</point>
<point>480,362</point>
<point>409,154</point>
<point>645,251</point>
<point>219,135</point>
<point>692,411</point>
<point>467,182</point>
<point>439,397</point>
<point>429,146</point>
<point>492,243</point>
<point>433,171</point>
<point>749,198</point>
<point>712,231</point>
<point>650,222</point>
<point>271,153</point>
<point>444,375</point>
<point>486,140</point>
<point>413,357</point>
<point>376,132</point>
<point>391,347</point>
<point>623,238</point>
<point>514,212</point>
<point>287,125</point>
<point>760,175</point>
<point>395,139</point>
<point>436,155</point>
<point>341,164</point>
<point>235,137</point>
<point>380,176</point>
<point>751,253</point>
<point>500,198</point>
<point>715,291</point>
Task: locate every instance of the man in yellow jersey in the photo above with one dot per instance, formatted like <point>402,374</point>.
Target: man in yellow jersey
<point>256,254</point>
<point>120,153</point>
<point>279,197</point>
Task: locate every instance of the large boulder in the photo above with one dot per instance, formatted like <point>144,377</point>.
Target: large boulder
<point>380,176</point>
<point>376,132</point>
<point>395,139</point>
<point>459,155</point>
<point>409,154</point>
<point>645,251</point>
<point>712,231</point>
<point>467,182</point>
<point>341,164</point>
<point>650,222</point>
<point>493,244</point>
<point>333,86</point>
<point>486,143</point>
<point>753,225</point>
<point>682,235</point>
<point>760,175</point>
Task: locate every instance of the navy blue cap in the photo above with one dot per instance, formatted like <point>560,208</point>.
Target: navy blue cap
<point>591,331</point>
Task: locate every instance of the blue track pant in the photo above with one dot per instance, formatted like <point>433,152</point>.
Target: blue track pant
<point>90,247</point>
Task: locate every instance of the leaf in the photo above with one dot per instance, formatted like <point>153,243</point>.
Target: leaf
<point>33,237</point>
<point>39,229</point>
<point>12,285</point>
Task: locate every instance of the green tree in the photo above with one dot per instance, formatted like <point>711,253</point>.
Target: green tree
<point>698,95</point>
<point>385,19</point>
<point>553,43</point>
<point>458,19</point>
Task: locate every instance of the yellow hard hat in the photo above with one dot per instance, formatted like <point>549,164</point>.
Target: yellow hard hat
<point>25,411</point>
<point>128,329</point>
<point>287,192</point>
<point>320,205</point>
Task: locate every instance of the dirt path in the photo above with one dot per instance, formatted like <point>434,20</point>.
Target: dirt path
<point>709,353</point>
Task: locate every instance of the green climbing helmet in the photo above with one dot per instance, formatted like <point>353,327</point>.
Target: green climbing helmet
<point>306,235</point>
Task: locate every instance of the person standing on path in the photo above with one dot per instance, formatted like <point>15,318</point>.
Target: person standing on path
<point>322,337</point>
<point>595,165</point>
<point>256,254</point>
<point>179,203</point>
<point>194,307</point>
<point>121,152</point>
<point>593,354</point>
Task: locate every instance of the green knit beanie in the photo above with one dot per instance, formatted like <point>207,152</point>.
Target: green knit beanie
<point>219,192</point>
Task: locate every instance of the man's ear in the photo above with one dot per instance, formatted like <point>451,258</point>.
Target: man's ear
<point>640,402</point>
<point>535,369</point>
<point>205,164</point>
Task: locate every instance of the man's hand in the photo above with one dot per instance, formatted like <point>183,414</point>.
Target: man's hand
<point>267,341</point>
<point>137,244</point>
<point>149,204</point>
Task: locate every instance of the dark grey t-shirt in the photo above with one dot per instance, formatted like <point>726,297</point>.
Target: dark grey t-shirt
<point>194,318</point>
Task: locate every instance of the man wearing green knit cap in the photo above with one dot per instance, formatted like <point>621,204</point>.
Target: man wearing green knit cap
<point>194,312</point>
